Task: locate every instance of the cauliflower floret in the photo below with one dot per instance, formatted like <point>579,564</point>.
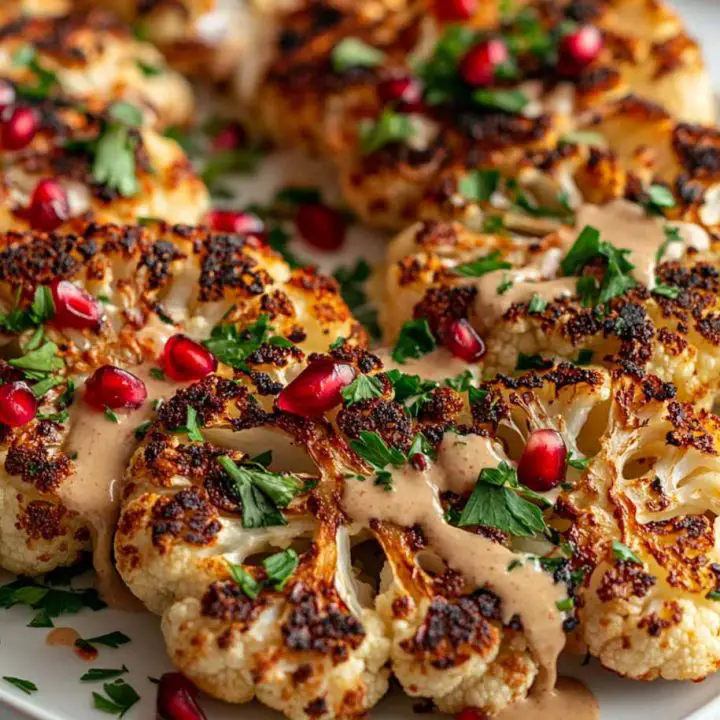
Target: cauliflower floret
<point>150,283</point>
<point>110,169</point>
<point>513,291</point>
<point>94,60</point>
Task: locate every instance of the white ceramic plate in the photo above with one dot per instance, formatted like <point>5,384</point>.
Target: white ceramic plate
<point>56,670</point>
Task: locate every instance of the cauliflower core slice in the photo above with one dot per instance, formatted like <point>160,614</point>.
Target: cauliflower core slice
<point>150,283</point>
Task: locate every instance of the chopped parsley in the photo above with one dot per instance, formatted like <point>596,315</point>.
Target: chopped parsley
<point>624,553</point>
<point>460,383</point>
<point>245,581</point>
<point>411,390</point>
<point>532,362</point>
<point>141,430</point>
<point>391,127</point>
<point>118,699</point>
<point>45,80</point>
<point>582,137</point>
<point>510,101</point>
<point>668,291</point>
<point>100,674</point>
<point>584,357</point>
<point>496,502</point>
<point>505,284</point>
<point>232,346</point>
<point>482,266</point>
<point>157,373</point>
<point>415,340</point>
<point>353,52</point>
<point>261,492</point>
<point>713,595</point>
<point>659,197</point>
<point>149,70</point>
<point>239,161</point>
<point>578,463</point>
<point>364,387</point>
<point>41,310</point>
<point>25,685</point>
<point>440,75</point>
<point>616,279</point>
<point>377,453</point>
<point>537,304</point>
<point>39,363</point>
<point>479,185</point>
<point>191,424</point>
<point>566,604</point>
<point>111,640</point>
<point>280,567</point>
<point>111,415</point>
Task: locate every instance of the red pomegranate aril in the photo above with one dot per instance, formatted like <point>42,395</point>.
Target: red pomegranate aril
<point>184,359</point>
<point>404,92</point>
<point>234,221</point>
<point>321,226</point>
<point>18,405</point>
<point>18,129</point>
<point>463,341</point>
<point>544,461</point>
<point>480,62</point>
<point>448,11</point>
<point>579,48</point>
<point>316,389</point>
<point>177,699</point>
<point>114,388</point>
<point>49,207</point>
<point>471,714</point>
<point>230,137</point>
<point>74,307</point>
<point>7,94</point>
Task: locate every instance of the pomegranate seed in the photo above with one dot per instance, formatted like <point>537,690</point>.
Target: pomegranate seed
<point>544,461</point>
<point>480,62</point>
<point>177,699</point>
<point>49,207</point>
<point>462,340</point>
<point>231,137</point>
<point>448,11</point>
<point>74,307</point>
<point>7,94</point>
<point>579,48</point>
<point>18,405</point>
<point>404,92</point>
<point>114,388</point>
<point>18,129</point>
<point>233,221</point>
<point>184,359</point>
<point>471,714</point>
<point>320,226</point>
<point>317,388</point>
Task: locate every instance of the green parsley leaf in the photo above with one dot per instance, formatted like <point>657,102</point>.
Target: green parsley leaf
<point>659,197</point>
<point>99,674</point>
<point>353,52</point>
<point>482,266</point>
<point>41,388</point>
<point>668,291</point>
<point>149,70</point>
<point>240,161</point>
<point>584,357</point>
<point>375,451</point>
<point>578,463</point>
<point>479,185</point>
<point>415,341</point>
<point>157,373</point>
<point>245,581</point>
<point>583,137</point>
<point>293,196</point>
<point>713,595</point>
<point>46,80</point>
<point>390,128</point>
<point>565,604</point>
<point>411,390</point>
<point>505,284</point>
<point>193,430</point>
<point>537,304</point>
<point>364,387</point>
<point>280,567</point>
<point>510,101</point>
<point>264,458</point>
<point>41,620</point>
<point>120,698</point>
<point>43,307</point>
<point>114,164</point>
<point>532,362</point>
<point>672,234</point>
<point>25,685</point>
<point>623,552</point>
<point>141,430</point>
<point>584,249</point>
<point>421,446</point>
<point>460,383</point>
<point>493,224</point>
<point>126,113</point>
<point>37,363</point>
<point>111,415</point>
<point>493,503</point>
<point>112,640</point>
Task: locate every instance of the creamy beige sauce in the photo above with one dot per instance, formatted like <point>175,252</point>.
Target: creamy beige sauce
<point>437,365</point>
<point>526,591</point>
<point>569,700</point>
<point>103,449</point>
